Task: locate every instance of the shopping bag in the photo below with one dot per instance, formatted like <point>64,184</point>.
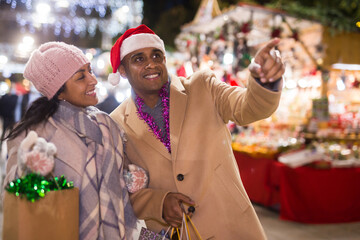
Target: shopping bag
<point>183,232</point>
<point>146,234</point>
<point>38,205</point>
<point>53,217</point>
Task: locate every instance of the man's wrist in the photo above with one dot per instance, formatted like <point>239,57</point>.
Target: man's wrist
<point>272,86</point>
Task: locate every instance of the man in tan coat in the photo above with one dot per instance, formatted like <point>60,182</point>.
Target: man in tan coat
<point>176,129</point>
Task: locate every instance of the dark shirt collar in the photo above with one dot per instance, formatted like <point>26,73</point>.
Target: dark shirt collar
<point>133,94</point>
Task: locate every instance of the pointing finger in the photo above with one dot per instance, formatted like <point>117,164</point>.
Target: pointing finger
<point>267,48</point>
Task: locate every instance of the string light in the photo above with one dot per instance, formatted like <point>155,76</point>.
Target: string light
<point>79,17</point>
<point>3,59</point>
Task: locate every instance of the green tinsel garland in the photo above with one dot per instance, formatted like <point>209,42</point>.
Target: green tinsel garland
<point>34,186</point>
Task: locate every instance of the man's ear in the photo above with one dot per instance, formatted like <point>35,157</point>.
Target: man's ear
<point>122,71</point>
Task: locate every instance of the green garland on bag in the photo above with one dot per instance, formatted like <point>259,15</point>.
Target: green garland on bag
<point>34,186</point>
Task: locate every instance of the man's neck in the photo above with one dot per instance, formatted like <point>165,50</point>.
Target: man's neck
<point>151,100</point>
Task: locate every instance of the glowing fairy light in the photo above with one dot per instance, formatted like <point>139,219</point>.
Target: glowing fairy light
<point>65,18</point>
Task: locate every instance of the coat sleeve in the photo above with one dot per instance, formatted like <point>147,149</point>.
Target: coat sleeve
<point>12,170</point>
<point>241,105</point>
<point>148,204</point>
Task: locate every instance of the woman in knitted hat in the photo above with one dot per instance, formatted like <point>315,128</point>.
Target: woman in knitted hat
<point>89,144</point>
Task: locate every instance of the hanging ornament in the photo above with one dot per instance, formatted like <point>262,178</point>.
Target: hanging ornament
<point>276,32</point>
<point>276,29</point>
<point>295,34</point>
<point>246,27</point>
<point>356,83</point>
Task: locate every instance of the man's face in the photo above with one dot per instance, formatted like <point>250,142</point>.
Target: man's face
<point>146,71</point>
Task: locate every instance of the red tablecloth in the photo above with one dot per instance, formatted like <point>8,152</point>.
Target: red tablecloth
<point>319,195</point>
<point>260,178</point>
<point>305,194</point>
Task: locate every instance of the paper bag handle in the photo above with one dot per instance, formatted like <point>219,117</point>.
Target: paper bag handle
<point>186,219</point>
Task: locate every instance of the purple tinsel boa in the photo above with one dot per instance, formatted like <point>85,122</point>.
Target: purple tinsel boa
<point>165,139</point>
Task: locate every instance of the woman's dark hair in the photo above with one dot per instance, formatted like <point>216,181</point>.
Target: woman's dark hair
<point>39,111</point>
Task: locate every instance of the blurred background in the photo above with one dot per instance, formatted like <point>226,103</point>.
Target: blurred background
<point>318,112</point>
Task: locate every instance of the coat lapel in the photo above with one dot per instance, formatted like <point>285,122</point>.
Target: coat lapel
<point>178,103</point>
<point>142,131</point>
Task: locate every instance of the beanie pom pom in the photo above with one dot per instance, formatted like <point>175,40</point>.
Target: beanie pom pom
<point>114,78</point>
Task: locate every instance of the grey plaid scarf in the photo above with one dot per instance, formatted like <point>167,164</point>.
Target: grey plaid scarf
<point>105,210</point>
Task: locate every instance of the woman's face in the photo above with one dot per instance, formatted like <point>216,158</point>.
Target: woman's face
<point>80,88</point>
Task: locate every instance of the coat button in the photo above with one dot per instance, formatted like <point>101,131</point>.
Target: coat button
<point>180,177</point>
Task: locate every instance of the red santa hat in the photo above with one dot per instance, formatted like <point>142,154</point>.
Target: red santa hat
<point>133,39</point>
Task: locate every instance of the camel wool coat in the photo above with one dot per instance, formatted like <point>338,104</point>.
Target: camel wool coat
<point>201,164</point>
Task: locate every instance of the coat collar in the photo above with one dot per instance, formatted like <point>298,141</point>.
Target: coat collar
<point>178,104</point>
<point>178,100</point>
<point>66,154</point>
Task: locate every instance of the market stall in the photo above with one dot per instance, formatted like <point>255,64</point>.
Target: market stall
<point>227,42</point>
<point>318,112</point>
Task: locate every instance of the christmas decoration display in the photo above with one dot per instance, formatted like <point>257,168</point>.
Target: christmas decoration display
<point>36,162</point>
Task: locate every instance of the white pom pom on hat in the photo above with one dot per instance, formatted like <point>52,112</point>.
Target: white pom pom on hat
<point>132,40</point>
<point>114,78</point>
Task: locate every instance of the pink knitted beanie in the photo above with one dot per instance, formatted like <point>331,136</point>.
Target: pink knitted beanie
<point>52,64</point>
